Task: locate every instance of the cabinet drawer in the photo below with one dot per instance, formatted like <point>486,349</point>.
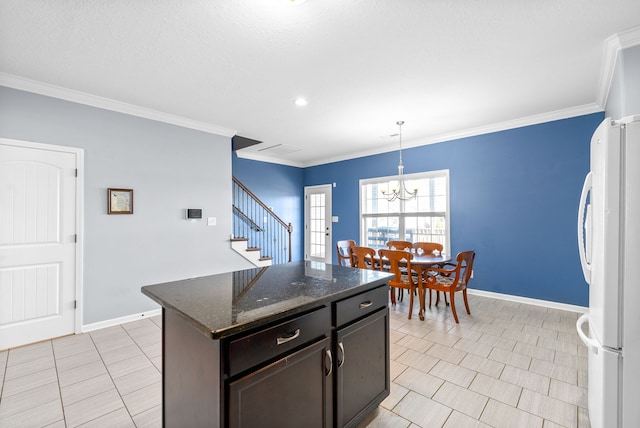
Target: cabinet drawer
<point>256,348</point>
<point>362,304</point>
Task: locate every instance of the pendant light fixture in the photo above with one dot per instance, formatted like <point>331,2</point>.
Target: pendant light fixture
<point>400,191</point>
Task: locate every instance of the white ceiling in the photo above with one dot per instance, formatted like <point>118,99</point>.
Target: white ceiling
<point>443,66</point>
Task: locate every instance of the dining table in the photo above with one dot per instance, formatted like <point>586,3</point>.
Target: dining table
<point>419,264</point>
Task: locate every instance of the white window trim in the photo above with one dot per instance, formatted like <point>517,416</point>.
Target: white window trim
<point>414,176</point>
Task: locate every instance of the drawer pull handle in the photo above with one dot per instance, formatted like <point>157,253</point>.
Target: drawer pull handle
<point>341,356</point>
<point>328,371</point>
<point>366,304</point>
<point>288,338</point>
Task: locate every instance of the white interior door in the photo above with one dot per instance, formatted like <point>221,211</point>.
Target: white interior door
<point>317,223</point>
<point>38,196</point>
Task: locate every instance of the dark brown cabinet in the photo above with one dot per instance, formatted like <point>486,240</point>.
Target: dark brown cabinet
<point>322,363</point>
<point>362,373</point>
<point>295,391</point>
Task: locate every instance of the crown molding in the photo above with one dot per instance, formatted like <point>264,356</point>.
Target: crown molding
<point>46,89</point>
<point>471,132</point>
<point>243,154</point>
<point>613,45</point>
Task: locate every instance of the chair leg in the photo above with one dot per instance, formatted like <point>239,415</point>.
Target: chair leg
<point>400,294</point>
<point>445,299</point>
<point>410,302</point>
<point>429,298</point>
<point>392,292</point>
<point>466,302</point>
<point>453,308</point>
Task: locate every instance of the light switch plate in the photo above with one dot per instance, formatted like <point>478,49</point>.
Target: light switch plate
<point>211,221</point>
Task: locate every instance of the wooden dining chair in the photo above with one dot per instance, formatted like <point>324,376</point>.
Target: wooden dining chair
<point>427,247</point>
<point>363,257</point>
<point>344,251</point>
<point>395,260</point>
<point>400,245</point>
<point>451,280</point>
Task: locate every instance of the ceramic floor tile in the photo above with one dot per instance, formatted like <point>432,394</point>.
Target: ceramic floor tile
<point>482,365</point>
<point>396,394</point>
<point>143,399</point>
<point>540,331</point>
<point>36,416</point>
<point>458,420</point>
<point>453,373</point>
<point>137,380</point>
<point>87,388</point>
<point>526,379</point>
<point>415,343</point>
<point>92,408</point>
<point>27,382</point>
<point>119,418</point>
<point>80,359</point>
<point>27,367</point>
<point>84,372</point>
<point>395,369</point>
<point>118,354</point>
<point>465,333</point>
<point>570,360</point>
<point>549,408</point>
<point>554,371</point>
<point>151,418</point>
<point>519,336</point>
<point>451,355</point>
<point>497,341</point>
<point>441,338</point>
<point>461,399</point>
<point>71,345</point>
<point>567,348</point>
<point>510,358</point>
<point>500,415</point>
<point>534,351</point>
<point>583,418</point>
<point>499,390</point>
<point>129,365</point>
<point>571,394</point>
<point>29,353</point>
<point>473,347</point>
<point>417,360</point>
<point>395,335</point>
<point>422,411</point>
<point>420,382</point>
<point>23,401</point>
<point>382,418</point>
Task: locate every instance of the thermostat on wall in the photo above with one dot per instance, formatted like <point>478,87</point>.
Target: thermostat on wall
<point>194,213</point>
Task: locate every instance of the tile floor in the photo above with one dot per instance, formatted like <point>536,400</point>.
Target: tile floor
<point>506,365</point>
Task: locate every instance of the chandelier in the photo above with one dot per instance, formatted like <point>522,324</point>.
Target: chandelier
<point>400,191</point>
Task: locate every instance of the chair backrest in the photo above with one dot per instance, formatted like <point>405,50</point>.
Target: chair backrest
<point>427,247</point>
<point>400,245</point>
<point>393,258</point>
<point>360,255</point>
<point>344,251</point>
<point>465,265</point>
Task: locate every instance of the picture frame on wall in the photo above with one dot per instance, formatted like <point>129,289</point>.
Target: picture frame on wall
<point>120,201</point>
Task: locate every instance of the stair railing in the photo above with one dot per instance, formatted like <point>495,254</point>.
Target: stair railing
<point>254,220</point>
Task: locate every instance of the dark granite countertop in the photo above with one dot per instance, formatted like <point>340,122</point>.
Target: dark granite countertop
<point>225,304</point>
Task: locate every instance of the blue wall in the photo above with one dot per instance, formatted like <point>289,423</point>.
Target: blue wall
<point>514,199</point>
<point>280,187</point>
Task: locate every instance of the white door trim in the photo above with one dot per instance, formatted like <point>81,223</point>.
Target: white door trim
<point>79,214</point>
<point>328,189</point>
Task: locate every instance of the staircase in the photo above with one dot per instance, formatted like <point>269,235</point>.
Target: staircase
<point>241,246</point>
<point>259,235</point>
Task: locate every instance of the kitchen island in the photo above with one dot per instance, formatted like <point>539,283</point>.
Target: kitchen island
<point>291,345</point>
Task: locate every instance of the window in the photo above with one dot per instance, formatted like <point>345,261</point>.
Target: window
<point>423,218</point>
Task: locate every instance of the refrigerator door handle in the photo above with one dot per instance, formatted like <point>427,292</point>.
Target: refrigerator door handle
<point>584,224</point>
<point>592,344</point>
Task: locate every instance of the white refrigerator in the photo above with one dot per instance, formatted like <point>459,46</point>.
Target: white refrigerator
<point>609,243</point>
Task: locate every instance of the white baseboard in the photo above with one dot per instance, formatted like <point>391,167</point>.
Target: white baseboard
<point>529,301</point>
<point>122,320</point>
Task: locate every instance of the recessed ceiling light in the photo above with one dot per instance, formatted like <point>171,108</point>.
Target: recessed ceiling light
<point>300,102</point>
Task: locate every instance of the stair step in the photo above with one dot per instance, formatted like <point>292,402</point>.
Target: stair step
<point>262,259</point>
<point>240,239</point>
<point>253,249</point>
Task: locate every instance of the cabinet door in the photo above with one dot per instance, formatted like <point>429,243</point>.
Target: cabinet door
<point>362,360</point>
<point>295,391</point>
